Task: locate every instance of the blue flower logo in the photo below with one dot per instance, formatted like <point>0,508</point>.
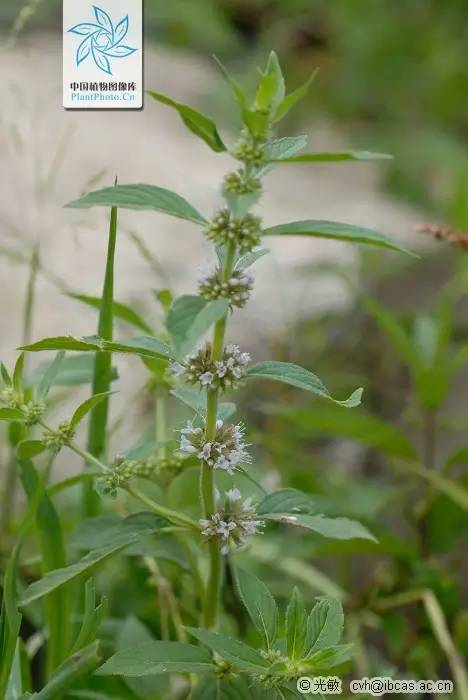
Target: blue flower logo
<point>103,41</point>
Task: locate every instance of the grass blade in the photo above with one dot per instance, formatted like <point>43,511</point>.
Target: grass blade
<point>102,377</point>
<point>53,556</point>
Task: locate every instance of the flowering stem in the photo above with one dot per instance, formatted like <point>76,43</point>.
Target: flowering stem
<point>212,593</point>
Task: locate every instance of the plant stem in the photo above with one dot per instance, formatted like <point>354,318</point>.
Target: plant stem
<point>207,485</point>
<point>168,513</point>
<point>429,453</point>
<point>161,422</point>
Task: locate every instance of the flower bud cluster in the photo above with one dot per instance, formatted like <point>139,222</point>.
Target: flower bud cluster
<point>154,468</point>
<point>11,397</point>
<point>226,450</point>
<point>56,439</point>
<point>241,182</point>
<point>248,151</point>
<point>236,289</point>
<point>244,232</point>
<point>223,374</point>
<point>234,522</point>
<point>33,412</point>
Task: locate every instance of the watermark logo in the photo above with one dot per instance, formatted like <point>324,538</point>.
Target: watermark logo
<point>103,40</point>
<point>102,54</point>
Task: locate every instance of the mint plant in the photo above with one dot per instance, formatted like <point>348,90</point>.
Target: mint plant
<point>197,649</point>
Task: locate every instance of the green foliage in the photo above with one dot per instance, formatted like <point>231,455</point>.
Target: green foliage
<point>199,603</point>
<point>198,124</point>
<point>289,373</point>
<point>140,197</point>
<point>334,230</point>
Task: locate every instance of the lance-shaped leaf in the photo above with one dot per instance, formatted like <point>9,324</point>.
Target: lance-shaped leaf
<point>285,148</point>
<point>327,659</point>
<point>324,626</point>
<point>131,530</point>
<point>334,528</point>
<point>140,196</point>
<point>245,658</point>
<point>285,501</point>
<point>11,415</point>
<point>331,157</point>
<point>197,123</point>
<point>72,673</point>
<point>84,408</point>
<point>334,230</point>
<point>146,346</point>
<point>289,373</point>
<point>190,317</point>
<point>260,605</point>
<point>296,625</point>
<point>155,657</point>
<point>271,88</point>
<point>64,342</point>
<point>290,100</point>
<point>49,376</point>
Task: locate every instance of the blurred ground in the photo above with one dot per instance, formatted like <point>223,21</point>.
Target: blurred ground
<point>49,156</point>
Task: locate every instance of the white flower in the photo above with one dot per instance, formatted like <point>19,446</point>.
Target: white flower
<point>233,495</point>
<point>234,521</point>
<point>206,378</point>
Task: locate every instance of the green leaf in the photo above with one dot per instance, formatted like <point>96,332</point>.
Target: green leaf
<point>336,231</point>
<point>49,376</point>
<point>73,672</point>
<point>324,625</point>
<point>271,88</point>
<point>18,373</point>
<point>132,529</point>
<point>145,346</point>
<point>290,100</point>
<point>27,449</point>
<point>140,196</point>
<point>196,122</point>
<point>334,528</point>
<point>243,657</point>
<point>11,415</point>
<point>5,374</point>
<point>53,556</point>
<point>64,342</point>
<point>73,371</point>
<point>237,92</point>
<point>260,605</point>
<point>190,317</point>
<point>92,617</point>
<point>85,407</point>
<point>285,501</point>
<point>247,260</point>
<point>281,149</point>
<point>124,312</point>
<point>299,377</point>
<point>296,625</point>
<point>155,657</point>
<point>327,659</point>
<point>10,620</point>
<point>331,157</point>
<point>99,531</point>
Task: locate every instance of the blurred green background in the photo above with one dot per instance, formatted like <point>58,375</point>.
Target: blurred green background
<point>391,72</point>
